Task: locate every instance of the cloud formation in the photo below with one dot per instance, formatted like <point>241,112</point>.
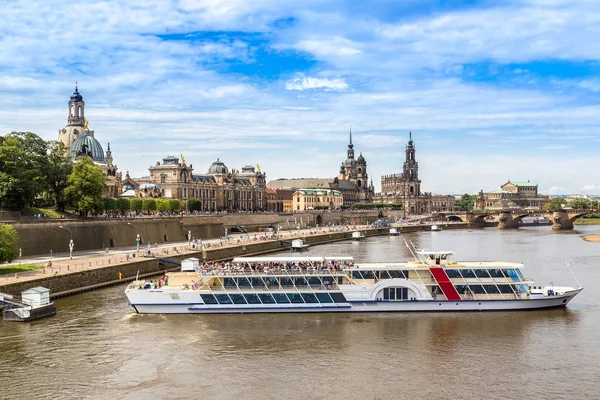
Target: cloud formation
<point>490,90</point>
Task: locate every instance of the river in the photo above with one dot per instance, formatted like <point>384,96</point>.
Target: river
<point>97,348</point>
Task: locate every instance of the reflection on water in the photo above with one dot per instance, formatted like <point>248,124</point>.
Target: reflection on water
<point>96,347</point>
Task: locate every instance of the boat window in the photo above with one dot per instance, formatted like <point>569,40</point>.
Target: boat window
<point>395,293</point>
<point>223,299</point>
<point>281,298</point>
<point>476,289</point>
<point>243,282</point>
<point>496,273</point>
<point>272,281</point>
<point>314,281</point>
<point>257,282</point>
<point>309,298</point>
<point>295,298</point>
<point>520,275</point>
<point>521,288</point>
<point>462,289</point>
<point>453,273</point>
<point>301,281</point>
<point>238,299</point>
<point>356,275</point>
<point>229,282</point>
<point>506,289</point>
<point>338,297</point>
<point>467,273</point>
<point>491,289</point>
<point>324,298</point>
<point>252,298</point>
<point>286,282</point>
<point>396,274</point>
<point>368,275</point>
<point>209,299</point>
<point>385,275</point>
<point>481,273</point>
<point>512,274</point>
<point>266,298</point>
<point>445,256</point>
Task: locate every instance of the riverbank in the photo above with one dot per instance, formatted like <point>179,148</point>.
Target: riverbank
<point>587,221</point>
<point>594,237</point>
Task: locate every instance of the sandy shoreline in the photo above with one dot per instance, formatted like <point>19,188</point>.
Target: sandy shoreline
<point>595,237</point>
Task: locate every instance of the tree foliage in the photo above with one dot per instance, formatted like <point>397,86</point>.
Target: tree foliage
<point>57,173</point>
<point>85,186</point>
<point>556,204</point>
<point>123,204</point>
<point>174,205</point>
<point>194,204</point>
<point>466,202</point>
<point>136,205</point>
<point>9,243</point>
<point>162,205</point>
<point>109,204</point>
<point>23,163</point>
<point>149,205</point>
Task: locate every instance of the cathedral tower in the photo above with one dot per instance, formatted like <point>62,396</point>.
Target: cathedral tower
<point>77,125</point>
<point>410,170</point>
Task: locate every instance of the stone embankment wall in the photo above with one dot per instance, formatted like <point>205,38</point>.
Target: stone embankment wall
<point>93,278</point>
<point>40,237</point>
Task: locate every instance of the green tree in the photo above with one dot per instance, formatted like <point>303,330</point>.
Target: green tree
<point>23,162</point>
<point>162,205</point>
<point>149,205</point>
<point>194,204</point>
<point>57,173</point>
<point>174,205</point>
<point>466,202</point>
<point>136,205</point>
<point>85,186</point>
<point>554,205</point>
<point>580,204</point>
<point>109,204</point>
<point>123,204</point>
<point>9,243</point>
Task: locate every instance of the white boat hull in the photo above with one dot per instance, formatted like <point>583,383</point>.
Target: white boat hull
<point>541,302</point>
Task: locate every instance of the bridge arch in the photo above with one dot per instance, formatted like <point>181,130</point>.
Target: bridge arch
<point>454,218</point>
<point>319,220</point>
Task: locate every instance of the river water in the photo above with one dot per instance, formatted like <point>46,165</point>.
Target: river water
<point>97,348</point>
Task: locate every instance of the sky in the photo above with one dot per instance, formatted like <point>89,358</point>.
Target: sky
<point>492,90</point>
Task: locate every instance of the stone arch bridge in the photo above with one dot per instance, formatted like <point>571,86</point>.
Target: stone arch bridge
<point>509,219</point>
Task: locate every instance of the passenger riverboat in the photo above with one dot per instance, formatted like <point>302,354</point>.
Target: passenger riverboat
<point>432,282</point>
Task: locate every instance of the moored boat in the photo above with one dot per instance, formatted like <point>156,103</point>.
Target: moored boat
<point>358,235</point>
<point>394,232</point>
<point>432,282</point>
<point>435,228</point>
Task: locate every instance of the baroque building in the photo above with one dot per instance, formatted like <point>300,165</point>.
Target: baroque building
<point>405,188</point>
<point>351,181</point>
<point>217,190</point>
<point>513,195</point>
<point>79,140</point>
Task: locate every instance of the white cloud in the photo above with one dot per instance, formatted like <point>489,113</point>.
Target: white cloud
<point>304,83</point>
<point>591,188</point>
<point>555,190</point>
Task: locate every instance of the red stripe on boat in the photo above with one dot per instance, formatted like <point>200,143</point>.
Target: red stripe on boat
<point>444,282</point>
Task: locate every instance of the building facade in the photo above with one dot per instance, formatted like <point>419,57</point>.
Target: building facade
<point>315,199</point>
<point>217,190</point>
<point>405,188</point>
<point>351,181</point>
<point>513,195</point>
<point>79,140</point>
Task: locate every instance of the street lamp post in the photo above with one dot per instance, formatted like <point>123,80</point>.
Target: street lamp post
<point>70,242</point>
<point>138,239</point>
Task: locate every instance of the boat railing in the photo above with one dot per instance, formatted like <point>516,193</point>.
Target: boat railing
<point>226,272</point>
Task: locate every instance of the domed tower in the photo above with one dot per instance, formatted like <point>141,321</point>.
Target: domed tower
<point>76,122</point>
<point>362,179</point>
<point>89,146</point>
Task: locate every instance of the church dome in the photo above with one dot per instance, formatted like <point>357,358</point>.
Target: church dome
<point>87,144</point>
<point>76,96</point>
<point>361,160</point>
<point>218,167</point>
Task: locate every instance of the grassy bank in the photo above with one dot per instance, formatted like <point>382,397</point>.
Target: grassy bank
<point>11,269</point>
<point>587,221</point>
<point>48,212</point>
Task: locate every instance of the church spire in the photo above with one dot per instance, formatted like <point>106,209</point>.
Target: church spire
<point>350,147</point>
<point>350,144</point>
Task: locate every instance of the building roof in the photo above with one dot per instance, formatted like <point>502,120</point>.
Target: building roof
<point>501,191</point>
<point>203,179</point>
<point>128,193</point>
<point>302,183</point>
<point>76,96</point>
<point>87,144</point>
<point>520,183</point>
<point>218,167</point>
<point>319,192</point>
<point>271,191</point>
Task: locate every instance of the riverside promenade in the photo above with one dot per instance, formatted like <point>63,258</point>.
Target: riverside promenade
<point>92,270</point>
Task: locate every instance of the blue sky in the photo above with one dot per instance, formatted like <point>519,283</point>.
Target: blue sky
<point>492,90</point>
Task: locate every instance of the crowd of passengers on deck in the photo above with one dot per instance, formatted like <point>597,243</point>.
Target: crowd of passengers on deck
<point>300,267</point>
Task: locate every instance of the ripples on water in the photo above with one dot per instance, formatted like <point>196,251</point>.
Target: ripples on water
<point>97,348</point>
